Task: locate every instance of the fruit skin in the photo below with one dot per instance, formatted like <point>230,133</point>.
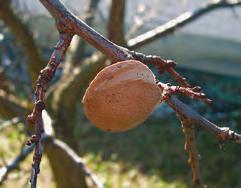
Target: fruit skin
<point>121,96</point>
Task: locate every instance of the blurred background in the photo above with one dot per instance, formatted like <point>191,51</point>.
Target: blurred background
<point>208,53</point>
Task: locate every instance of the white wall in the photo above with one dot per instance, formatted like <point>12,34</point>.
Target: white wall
<point>222,23</point>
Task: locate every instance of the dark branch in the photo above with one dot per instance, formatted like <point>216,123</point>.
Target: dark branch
<point>179,22</point>
<point>45,77</point>
<point>4,171</point>
<point>223,134</point>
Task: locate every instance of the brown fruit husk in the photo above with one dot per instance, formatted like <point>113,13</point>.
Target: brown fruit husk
<point>121,96</point>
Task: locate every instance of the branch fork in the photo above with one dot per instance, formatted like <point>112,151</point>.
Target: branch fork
<point>195,92</point>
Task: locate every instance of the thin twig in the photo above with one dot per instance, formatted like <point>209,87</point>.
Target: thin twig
<point>194,92</point>
<point>190,147</point>
<point>179,22</point>
<point>45,77</point>
<point>4,171</point>
<point>65,150</point>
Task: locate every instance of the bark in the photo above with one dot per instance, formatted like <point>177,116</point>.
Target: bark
<point>191,149</point>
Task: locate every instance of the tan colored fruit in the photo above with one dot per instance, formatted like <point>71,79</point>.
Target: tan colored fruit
<point>121,96</point>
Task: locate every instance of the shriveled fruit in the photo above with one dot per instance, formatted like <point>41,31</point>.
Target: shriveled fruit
<point>121,96</point>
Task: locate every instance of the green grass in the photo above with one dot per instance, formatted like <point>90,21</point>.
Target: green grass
<point>154,153</point>
<point>151,155</point>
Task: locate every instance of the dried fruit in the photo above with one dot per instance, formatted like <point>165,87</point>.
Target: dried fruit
<point>121,96</point>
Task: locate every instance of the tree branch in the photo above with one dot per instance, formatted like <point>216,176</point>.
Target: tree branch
<point>73,25</point>
<point>222,133</point>
<point>4,171</point>
<point>23,35</point>
<point>57,149</point>
<point>44,78</point>
<point>190,147</point>
<point>77,26</point>
<point>116,22</point>
<point>179,22</point>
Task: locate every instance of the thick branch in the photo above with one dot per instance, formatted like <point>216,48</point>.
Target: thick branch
<point>223,134</point>
<point>190,147</point>
<point>4,171</point>
<point>116,22</point>
<point>25,38</point>
<point>177,23</point>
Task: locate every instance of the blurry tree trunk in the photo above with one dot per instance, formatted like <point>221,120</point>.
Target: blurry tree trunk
<point>67,168</point>
<point>116,22</point>
<point>77,50</point>
<point>67,96</point>
<point>21,32</point>
<point>12,105</point>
